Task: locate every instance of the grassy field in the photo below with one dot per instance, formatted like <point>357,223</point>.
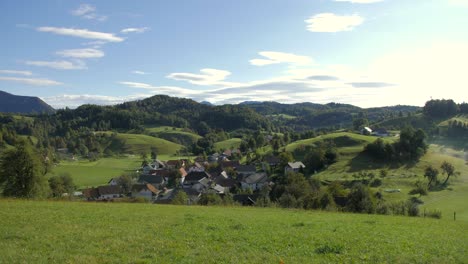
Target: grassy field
<point>173,134</point>
<point>73,232</point>
<point>136,143</point>
<point>94,173</point>
<point>228,144</point>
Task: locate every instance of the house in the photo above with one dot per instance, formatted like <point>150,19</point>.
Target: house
<point>113,181</point>
<point>272,161</point>
<point>254,181</point>
<point>192,194</point>
<point>245,170</point>
<point>230,164</point>
<point>183,172</point>
<point>245,199</point>
<point>224,181</point>
<point>366,131</point>
<point>174,164</point>
<point>106,192</point>
<point>156,180</point>
<point>147,191</point>
<point>293,167</point>
<point>193,178</point>
<point>380,132</point>
<point>109,192</point>
<point>165,196</point>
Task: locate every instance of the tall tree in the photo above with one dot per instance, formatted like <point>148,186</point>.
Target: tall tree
<point>448,169</point>
<point>431,173</point>
<point>22,173</point>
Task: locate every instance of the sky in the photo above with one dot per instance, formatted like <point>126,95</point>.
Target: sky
<point>364,52</point>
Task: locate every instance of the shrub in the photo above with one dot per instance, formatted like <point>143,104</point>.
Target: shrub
<point>434,214</point>
<point>376,182</point>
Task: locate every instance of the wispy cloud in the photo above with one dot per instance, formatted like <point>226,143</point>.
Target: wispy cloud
<point>371,84</point>
<point>82,33</point>
<point>140,72</point>
<point>360,1</point>
<point>75,100</point>
<point>31,81</point>
<point>81,53</point>
<point>169,90</point>
<point>134,30</point>
<point>274,57</point>
<point>206,77</point>
<point>329,22</point>
<point>15,72</point>
<point>59,65</point>
<point>87,11</point>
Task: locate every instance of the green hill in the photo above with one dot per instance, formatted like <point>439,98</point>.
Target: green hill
<point>228,144</point>
<point>173,134</point>
<point>77,232</point>
<point>138,143</point>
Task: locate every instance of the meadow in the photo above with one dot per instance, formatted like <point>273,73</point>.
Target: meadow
<point>79,232</point>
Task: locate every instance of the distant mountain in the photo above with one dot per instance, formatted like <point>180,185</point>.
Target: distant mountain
<point>206,103</point>
<point>10,103</point>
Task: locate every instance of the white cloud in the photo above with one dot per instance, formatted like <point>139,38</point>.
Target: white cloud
<point>59,65</point>
<point>329,22</point>
<point>274,57</point>
<point>169,90</point>
<point>75,100</point>
<point>134,30</point>
<point>207,77</point>
<point>82,33</point>
<point>31,81</point>
<point>81,53</point>
<point>360,1</point>
<point>15,72</point>
<point>462,3</point>
<point>140,72</point>
<point>88,12</point>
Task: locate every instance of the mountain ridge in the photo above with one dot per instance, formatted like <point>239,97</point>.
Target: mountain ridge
<point>10,103</point>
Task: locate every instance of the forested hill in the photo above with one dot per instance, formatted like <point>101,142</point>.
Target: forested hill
<point>160,110</point>
<point>10,103</point>
<point>304,116</point>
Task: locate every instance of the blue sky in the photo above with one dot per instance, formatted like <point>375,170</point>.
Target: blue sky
<point>362,52</point>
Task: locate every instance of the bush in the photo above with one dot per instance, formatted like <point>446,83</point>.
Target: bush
<point>376,182</point>
<point>434,214</point>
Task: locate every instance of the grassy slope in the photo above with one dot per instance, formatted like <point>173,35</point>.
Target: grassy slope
<point>59,232</point>
<point>86,173</point>
<point>401,177</point>
<point>173,132</point>
<point>135,143</point>
<point>228,144</point>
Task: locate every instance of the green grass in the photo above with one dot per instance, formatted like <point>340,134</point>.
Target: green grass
<point>341,139</point>
<point>86,173</point>
<point>459,118</point>
<point>282,116</point>
<point>74,232</point>
<point>173,134</point>
<point>137,143</point>
<point>228,144</point>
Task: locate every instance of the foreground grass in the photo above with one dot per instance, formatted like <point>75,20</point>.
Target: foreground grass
<point>61,232</point>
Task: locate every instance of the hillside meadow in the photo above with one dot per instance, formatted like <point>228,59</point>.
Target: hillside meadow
<point>79,232</point>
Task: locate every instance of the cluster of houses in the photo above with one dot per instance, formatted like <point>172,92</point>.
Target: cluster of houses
<point>160,181</point>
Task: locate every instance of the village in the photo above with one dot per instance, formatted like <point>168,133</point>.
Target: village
<point>160,181</point>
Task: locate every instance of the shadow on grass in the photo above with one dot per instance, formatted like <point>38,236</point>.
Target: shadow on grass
<point>363,162</point>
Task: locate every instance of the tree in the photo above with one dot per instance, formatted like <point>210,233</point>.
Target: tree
<point>448,169</point>
<point>180,198</point>
<point>22,173</point>
<point>360,200</point>
<point>125,182</point>
<point>62,184</point>
<point>431,174</point>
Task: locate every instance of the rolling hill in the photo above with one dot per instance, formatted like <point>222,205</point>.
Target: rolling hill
<point>10,103</point>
